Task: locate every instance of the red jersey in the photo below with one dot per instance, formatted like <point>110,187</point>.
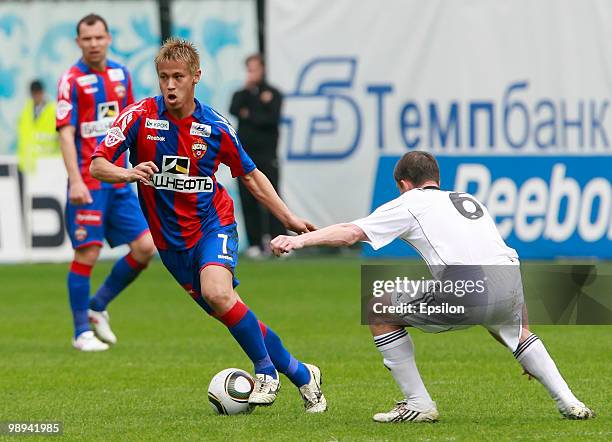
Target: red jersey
<point>183,201</point>
<point>90,101</point>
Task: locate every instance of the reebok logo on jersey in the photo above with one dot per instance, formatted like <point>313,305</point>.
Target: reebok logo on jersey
<point>200,130</point>
<point>108,109</point>
<point>157,124</point>
<point>174,177</point>
<point>155,138</point>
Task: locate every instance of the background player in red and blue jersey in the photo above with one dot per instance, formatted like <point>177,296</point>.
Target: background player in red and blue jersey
<point>176,145</point>
<point>91,94</point>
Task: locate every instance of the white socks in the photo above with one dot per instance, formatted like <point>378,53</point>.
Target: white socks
<point>398,354</point>
<point>536,361</point>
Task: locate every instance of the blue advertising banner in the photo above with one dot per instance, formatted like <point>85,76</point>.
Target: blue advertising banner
<point>544,207</point>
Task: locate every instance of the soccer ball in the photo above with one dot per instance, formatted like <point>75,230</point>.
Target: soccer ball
<point>229,391</point>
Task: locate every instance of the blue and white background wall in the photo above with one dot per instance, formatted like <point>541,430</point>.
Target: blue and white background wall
<point>513,97</point>
<point>37,41</point>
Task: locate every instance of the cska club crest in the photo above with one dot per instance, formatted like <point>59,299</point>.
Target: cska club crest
<point>80,233</point>
<point>120,90</point>
<point>198,148</point>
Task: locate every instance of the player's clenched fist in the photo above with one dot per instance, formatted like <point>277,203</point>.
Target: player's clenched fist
<point>143,172</point>
<point>78,193</point>
<point>284,244</point>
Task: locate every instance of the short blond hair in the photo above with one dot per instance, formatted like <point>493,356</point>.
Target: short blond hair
<point>177,49</point>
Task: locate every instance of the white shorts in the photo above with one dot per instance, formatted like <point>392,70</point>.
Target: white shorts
<point>499,308</point>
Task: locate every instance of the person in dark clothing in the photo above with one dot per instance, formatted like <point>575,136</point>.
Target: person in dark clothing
<point>258,109</point>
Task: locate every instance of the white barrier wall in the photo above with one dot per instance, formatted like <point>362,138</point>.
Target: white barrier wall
<point>38,232</point>
<point>474,82</point>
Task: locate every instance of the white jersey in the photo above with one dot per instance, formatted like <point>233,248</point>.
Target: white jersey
<point>446,228</point>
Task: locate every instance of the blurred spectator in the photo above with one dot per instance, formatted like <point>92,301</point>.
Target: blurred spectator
<point>37,137</point>
<point>258,108</point>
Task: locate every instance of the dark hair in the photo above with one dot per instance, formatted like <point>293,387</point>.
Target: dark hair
<point>417,167</point>
<point>36,86</point>
<point>255,57</point>
<point>89,20</point>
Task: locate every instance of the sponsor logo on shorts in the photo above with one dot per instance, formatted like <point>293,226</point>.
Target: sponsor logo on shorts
<point>155,138</point>
<point>114,136</point>
<point>62,110</point>
<point>92,129</point>
<point>86,80</point>
<point>157,124</point>
<point>108,109</point>
<point>200,130</point>
<point>89,217</point>
<point>116,74</point>
<point>229,258</point>
<point>175,177</point>
<point>80,233</point>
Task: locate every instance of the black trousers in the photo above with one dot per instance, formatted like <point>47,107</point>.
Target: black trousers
<point>258,220</point>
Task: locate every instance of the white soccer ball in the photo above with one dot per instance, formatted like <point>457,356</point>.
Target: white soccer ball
<point>229,391</point>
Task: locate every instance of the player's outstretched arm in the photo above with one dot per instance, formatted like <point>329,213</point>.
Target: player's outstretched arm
<point>337,235</point>
<point>260,187</point>
<point>104,170</point>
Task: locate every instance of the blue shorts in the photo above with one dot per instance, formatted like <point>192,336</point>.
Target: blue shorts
<point>217,247</point>
<point>114,214</point>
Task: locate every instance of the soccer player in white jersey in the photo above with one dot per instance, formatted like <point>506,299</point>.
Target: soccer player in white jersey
<point>446,228</point>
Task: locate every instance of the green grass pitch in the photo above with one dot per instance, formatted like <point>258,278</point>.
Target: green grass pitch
<point>152,384</point>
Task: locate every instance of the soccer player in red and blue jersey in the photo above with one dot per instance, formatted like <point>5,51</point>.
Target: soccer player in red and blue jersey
<point>176,144</point>
<point>91,95</point>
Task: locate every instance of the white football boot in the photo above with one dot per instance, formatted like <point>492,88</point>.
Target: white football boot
<point>265,390</point>
<point>87,341</point>
<point>577,411</point>
<point>403,413</point>
<point>100,323</point>
<point>314,401</point>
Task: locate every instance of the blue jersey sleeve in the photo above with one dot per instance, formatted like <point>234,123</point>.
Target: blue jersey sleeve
<point>233,154</point>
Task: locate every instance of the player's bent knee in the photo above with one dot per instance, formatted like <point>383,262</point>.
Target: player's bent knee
<point>87,255</point>
<point>219,296</point>
<point>381,329</point>
<point>377,317</point>
<point>144,248</point>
